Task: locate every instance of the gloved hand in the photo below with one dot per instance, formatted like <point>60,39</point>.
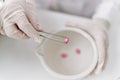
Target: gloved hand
<point>98,29</point>
<point>19,20</point>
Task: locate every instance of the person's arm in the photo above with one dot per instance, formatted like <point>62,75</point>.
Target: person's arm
<point>98,26</point>
<point>102,20</point>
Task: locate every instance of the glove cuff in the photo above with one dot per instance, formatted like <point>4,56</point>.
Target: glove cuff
<point>104,22</point>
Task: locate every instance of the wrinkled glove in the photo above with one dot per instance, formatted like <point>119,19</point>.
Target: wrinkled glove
<point>98,30</point>
<point>19,21</point>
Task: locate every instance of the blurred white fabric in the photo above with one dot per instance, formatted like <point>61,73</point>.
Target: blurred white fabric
<point>76,7</point>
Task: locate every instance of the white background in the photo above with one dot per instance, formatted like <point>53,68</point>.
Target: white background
<point>19,62</point>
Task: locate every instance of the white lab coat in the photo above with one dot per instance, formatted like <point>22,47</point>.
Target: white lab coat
<point>87,8</point>
<point>77,7</point>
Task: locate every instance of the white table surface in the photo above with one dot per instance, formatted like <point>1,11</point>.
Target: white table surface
<point>19,62</point>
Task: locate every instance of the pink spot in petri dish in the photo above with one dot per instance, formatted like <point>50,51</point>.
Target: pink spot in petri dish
<point>66,40</point>
<point>78,51</point>
<point>63,55</point>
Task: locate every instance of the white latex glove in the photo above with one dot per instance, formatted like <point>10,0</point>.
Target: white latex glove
<point>19,20</point>
<point>98,30</point>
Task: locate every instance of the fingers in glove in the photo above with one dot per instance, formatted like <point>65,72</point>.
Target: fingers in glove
<point>106,52</point>
<point>13,32</point>
<point>2,31</point>
<point>102,53</point>
<point>28,29</point>
<point>33,18</point>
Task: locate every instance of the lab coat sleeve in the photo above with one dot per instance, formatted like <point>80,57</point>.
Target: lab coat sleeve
<point>47,4</point>
<point>107,9</point>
